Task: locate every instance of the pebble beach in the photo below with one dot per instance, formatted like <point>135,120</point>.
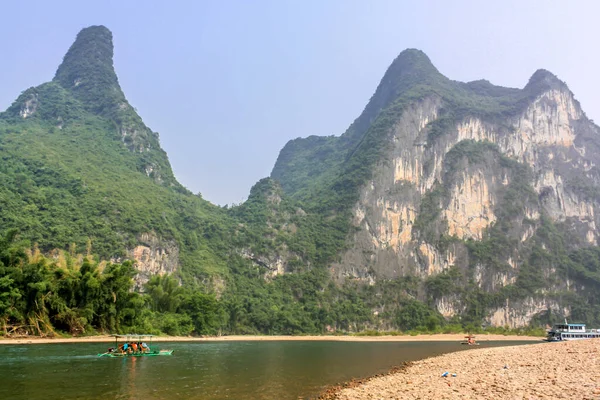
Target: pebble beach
<point>566,370</point>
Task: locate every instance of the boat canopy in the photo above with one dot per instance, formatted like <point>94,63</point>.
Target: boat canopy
<point>132,336</point>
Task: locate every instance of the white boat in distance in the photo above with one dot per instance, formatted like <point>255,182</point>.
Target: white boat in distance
<point>569,331</point>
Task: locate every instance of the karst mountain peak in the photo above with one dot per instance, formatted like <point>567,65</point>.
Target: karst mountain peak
<point>88,64</point>
<point>85,87</point>
<point>413,66</point>
<point>543,80</point>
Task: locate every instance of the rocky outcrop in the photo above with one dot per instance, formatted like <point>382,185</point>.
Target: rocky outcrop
<point>519,314</point>
<point>29,107</point>
<point>543,136</point>
<point>275,264</point>
<point>389,204</point>
<point>449,306</point>
<point>153,256</point>
<point>471,207</point>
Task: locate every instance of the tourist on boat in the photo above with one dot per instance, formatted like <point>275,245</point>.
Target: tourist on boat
<point>134,346</point>
<point>144,347</point>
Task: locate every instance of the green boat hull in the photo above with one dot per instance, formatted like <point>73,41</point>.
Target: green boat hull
<point>137,343</point>
<point>150,354</point>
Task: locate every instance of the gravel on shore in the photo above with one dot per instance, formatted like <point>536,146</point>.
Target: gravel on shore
<point>566,370</point>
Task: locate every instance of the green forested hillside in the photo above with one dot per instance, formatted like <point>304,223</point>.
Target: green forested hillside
<point>81,172</point>
<point>69,175</point>
<point>77,183</point>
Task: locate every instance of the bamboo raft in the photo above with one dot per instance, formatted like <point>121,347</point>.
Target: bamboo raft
<point>130,347</point>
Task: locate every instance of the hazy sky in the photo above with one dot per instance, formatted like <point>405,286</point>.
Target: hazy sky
<point>228,83</point>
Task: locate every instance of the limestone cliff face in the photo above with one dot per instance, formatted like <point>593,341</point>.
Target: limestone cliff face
<point>459,184</point>
<point>275,264</point>
<point>519,314</point>
<point>153,256</point>
<point>29,106</point>
<point>389,205</point>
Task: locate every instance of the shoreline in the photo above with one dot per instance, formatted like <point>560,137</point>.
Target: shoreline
<point>531,371</point>
<point>252,338</point>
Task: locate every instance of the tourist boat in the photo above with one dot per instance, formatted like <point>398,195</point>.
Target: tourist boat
<point>569,331</point>
<point>470,341</point>
<point>134,346</point>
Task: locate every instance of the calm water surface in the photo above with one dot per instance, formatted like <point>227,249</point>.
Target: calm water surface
<point>276,370</point>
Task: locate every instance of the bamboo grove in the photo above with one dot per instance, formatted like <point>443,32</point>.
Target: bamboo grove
<point>74,294</point>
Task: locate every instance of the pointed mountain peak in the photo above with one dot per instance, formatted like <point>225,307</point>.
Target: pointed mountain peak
<point>87,74</point>
<point>413,57</point>
<point>412,67</point>
<point>87,68</point>
<point>543,80</point>
<point>543,74</point>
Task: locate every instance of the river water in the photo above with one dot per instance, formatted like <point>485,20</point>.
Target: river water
<point>276,370</point>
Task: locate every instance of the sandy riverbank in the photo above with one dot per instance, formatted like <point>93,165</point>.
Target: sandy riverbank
<point>538,371</point>
<point>407,338</point>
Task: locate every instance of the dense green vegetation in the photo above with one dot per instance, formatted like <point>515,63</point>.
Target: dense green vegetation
<point>87,73</point>
<point>76,184</point>
<point>66,176</point>
<point>67,181</point>
<point>75,294</point>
